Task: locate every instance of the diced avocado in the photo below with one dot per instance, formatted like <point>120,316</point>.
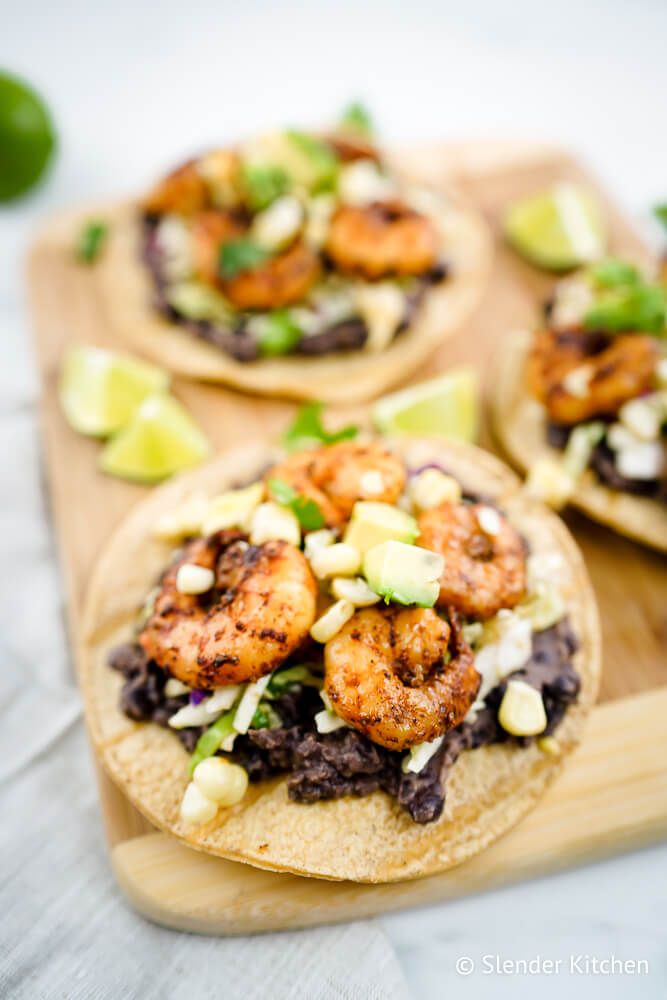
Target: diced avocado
<point>404,573</point>
<point>306,160</point>
<point>372,523</point>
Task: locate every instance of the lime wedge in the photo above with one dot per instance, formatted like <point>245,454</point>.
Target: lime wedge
<point>557,229</point>
<point>447,405</point>
<point>161,439</point>
<point>27,137</point>
<point>99,390</point>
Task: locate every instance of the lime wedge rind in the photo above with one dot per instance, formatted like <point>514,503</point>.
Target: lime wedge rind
<point>160,440</point>
<point>557,229</point>
<point>100,390</point>
<point>447,406</point>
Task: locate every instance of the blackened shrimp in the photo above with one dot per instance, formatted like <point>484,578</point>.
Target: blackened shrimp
<point>338,475</point>
<point>400,676</point>
<point>258,611</point>
<point>623,369</point>
<point>279,281</point>
<point>381,240</point>
<point>485,557</point>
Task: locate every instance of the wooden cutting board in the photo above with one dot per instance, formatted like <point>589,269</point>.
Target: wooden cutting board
<point>613,794</point>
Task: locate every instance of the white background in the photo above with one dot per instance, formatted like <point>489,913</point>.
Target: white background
<point>135,87</point>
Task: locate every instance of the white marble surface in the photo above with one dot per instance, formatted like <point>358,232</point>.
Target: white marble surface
<point>135,86</point>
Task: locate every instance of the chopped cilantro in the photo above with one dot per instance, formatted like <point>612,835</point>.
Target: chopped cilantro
<point>307,429</point>
<point>640,307</point>
<point>91,240</point>
<point>309,514</point>
<point>612,272</point>
<point>240,255</point>
<point>291,676</point>
<point>356,118</point>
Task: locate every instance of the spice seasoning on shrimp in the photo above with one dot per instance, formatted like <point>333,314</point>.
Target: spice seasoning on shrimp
<point>352,675</point>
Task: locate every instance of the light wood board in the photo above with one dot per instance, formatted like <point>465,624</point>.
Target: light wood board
<point>613,793</point>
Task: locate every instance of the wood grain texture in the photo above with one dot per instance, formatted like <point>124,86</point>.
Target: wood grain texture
<point>615,786</point>
<point>631,582</point>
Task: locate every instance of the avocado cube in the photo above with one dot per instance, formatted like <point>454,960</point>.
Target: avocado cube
<point>373,523</point>
<point>404,573</point>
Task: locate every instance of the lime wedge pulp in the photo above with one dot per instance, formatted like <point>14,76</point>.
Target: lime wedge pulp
<point>100,390</point>
<point>557,229</point>
<point>27,137</point>
<point>447,405</point>
<point>160,439</point>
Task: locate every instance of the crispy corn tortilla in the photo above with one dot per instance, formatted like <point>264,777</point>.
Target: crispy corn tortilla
<point>368,839</point>
<point>519,423</point>
<point>127,293</point>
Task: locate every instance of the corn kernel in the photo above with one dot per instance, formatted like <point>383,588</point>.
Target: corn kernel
<point>318,540</point>
<point>339,559</point>
<point>221,781</point>
<point>547,744</point>
<point>522,711</point>
<point>549,481</point>
<point>197,807</point>
<point>270,521</point>
<point>193,579</point>
<point>332,621</point>
<point>432,487</point>
<point>355,591</point>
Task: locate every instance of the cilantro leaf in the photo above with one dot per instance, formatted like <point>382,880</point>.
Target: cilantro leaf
<point>612,272</point>
<point>91,240</point>
<point>635,307</point>
<point>307,429</point>
<point>356,118</point>
<point>263,183</point>
<point>240,255</point>
<point>307,511</point>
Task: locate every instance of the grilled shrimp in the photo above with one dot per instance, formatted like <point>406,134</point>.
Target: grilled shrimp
<point>387,675</point>
<point>484,571</point>
<point>259,610</point>
<point>382,239</point>
<point>210,229</point>
<point>280,281</point>
<point>183,191</point>
<point>622,370</point>
<point>337,475</point>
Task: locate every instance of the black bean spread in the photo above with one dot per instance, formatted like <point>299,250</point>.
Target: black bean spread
<point>234,338</point>
<point>327,766</point>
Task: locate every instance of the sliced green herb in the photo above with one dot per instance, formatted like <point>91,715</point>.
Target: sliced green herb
<point>356,118</point>
<point>307,429</point>
<point>612,273</point>
<point>639,307</point>
<point>309,514</point>
<point>291,676</point>
<point>211,740</point>
<point>240,255</point>
<point>263,183</point>
<point>91,240</point>
<point>279,333</point>
<point>260,719</point>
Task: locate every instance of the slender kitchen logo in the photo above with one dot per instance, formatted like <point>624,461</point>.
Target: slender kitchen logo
<point>539,965</point>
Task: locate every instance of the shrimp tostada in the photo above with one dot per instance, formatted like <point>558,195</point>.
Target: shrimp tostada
<point>363,661</point>
<point>295,264</point>
<point>581,405</point>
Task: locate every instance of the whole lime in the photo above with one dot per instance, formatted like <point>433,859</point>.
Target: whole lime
<point>27,137</point>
